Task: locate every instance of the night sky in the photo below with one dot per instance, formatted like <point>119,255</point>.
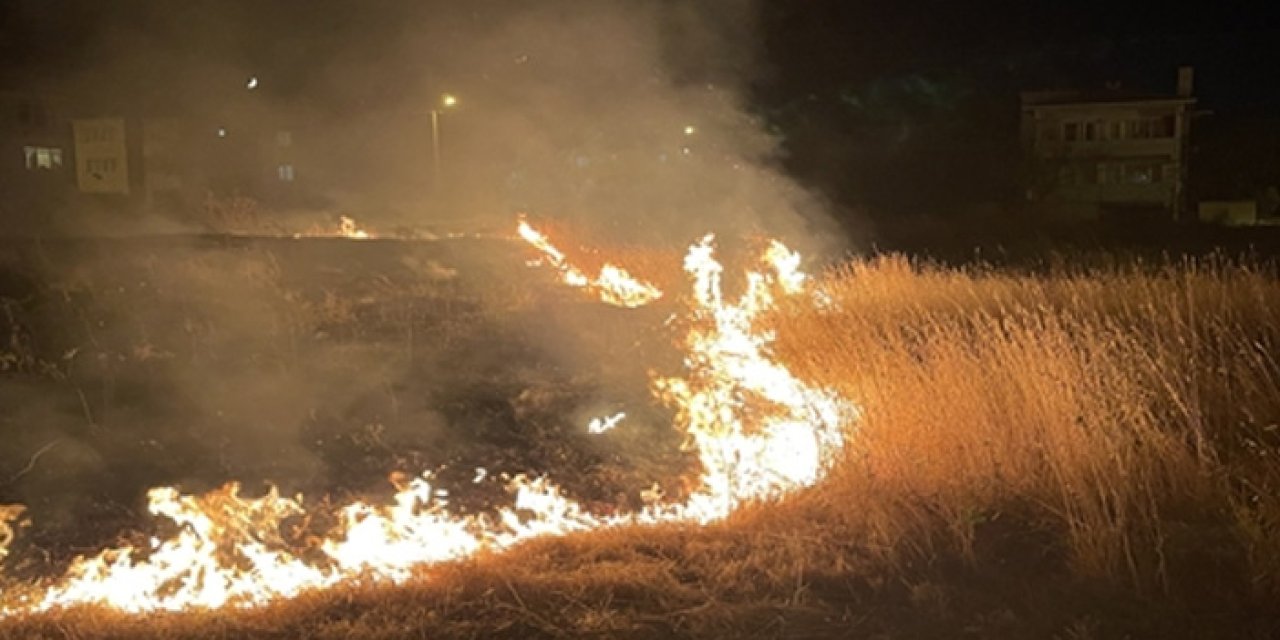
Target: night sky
<point>813,45</point>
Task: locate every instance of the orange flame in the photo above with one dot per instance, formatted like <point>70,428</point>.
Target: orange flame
<point>759,433</point>
<point>348,228</point>
<point>613,284</point>
<point>9,513</point>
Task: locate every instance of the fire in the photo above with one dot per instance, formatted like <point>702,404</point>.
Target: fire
<point>227,550</point>
<point>601,425</point>
<point>9,513</point>
<point>758,431</point>
<point>613,284</point>
<point>348,228</point>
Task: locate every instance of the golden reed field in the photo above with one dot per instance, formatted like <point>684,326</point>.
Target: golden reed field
<point>1072,453</point>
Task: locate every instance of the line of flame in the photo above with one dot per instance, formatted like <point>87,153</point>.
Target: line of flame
<point>758,431</point>
<point>613,284</point>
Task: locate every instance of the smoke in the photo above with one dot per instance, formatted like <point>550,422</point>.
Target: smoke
<point>625,116</point>
<point>329,364</point>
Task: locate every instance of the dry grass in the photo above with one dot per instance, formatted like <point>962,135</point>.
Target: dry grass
<point>1071,455</point>
<point>1132,411</point>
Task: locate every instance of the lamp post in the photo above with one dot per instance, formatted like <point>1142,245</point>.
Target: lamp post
<point>447,101</point>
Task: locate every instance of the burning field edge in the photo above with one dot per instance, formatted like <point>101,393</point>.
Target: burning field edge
<point>758,431</point>
<point>1084,453</point>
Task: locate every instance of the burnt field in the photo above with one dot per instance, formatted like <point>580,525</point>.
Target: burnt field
<point>1065,452</point>
<point>322,365</point>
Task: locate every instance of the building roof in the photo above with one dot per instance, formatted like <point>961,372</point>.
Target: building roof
<point>1064,97</point>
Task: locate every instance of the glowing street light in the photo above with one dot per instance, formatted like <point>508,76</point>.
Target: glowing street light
<point>690,130</point>
<point>252,83</point>
<point>447,101</point>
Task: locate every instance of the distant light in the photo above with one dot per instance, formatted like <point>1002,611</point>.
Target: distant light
<point>449,100</point>
<point>690,130</point>
<point>222,132</point>
<point>252,83</point>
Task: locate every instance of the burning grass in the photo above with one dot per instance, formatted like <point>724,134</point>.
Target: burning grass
<point>1075,454</point>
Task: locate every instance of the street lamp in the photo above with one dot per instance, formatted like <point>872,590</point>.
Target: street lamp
<point>447,101</point>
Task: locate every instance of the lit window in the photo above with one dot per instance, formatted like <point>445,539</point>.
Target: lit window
<point>42,157</point>
<point>285,172</point>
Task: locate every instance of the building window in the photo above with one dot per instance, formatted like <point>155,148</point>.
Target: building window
<point>98,167</point>
<point>1157,127</point>
<point>1141,173</point>
<point>1117,130</point>
<point>285,173</point>
<point>1162,127</point>
<point>1071,131</point>
<point>284,138</point>
<point>96,135</point>
<point>43,157</point>
<point>1115,173</point>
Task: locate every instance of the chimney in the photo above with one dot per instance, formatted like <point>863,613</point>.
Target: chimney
<point>1186,81</point>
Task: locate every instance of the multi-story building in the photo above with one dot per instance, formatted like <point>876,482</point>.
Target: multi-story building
<point>1109,152</point>
<point>37,170</point>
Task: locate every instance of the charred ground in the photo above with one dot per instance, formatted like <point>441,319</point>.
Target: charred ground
<point>320,365</point>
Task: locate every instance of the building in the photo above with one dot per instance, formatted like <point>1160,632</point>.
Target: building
<point>185,158</point>
<point>1094,154</point>
<point>105,163</point>
<point>37,171</point>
